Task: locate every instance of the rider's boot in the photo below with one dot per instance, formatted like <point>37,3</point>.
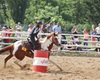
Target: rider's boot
<point>32,52</point>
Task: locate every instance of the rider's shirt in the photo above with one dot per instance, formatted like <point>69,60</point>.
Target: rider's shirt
<point>34,31</point>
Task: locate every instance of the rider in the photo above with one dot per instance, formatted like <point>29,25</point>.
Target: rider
<point>33,38</point>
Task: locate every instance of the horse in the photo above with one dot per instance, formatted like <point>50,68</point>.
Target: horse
<point>20,48</point>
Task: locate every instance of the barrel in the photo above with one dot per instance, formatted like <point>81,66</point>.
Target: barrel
<point>40,61</point>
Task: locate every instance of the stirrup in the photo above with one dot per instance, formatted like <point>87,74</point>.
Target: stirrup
<point>32,51</point>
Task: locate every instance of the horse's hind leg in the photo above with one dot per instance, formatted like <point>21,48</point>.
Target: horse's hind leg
<point>7,58</point>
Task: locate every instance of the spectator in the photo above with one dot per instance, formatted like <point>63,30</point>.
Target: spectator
<point>74,31</point>
<point>19,26</point>
<point>8,34</point>
<point>93,33</point>
<point>71,45</point>
<point>0,27</point>
<point>17,34</point>
<point>44,27</point>
<point>54,24</point>
<point>49,27</point>
<point>85,32</point>
<point>57,28</point>
<point>98,44</point>
<point>29,28</point>
<point>4,34</point>
<point>98,31</point>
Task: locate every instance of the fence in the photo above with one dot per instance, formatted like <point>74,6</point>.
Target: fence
<point>85,48</point>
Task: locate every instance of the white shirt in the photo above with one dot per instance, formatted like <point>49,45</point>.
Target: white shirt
<point>29,30</point>
<point>18,26</point>
<point>98,30</point>
<point>18,35</point>
<point>4,33</point>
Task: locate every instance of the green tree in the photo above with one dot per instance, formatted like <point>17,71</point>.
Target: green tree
<point>93,14</point>
<point>82,12</point>
<point>17,9</point>
<point>40,10</point>
<point>3,14</point>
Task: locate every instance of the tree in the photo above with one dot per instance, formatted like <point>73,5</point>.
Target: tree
<point>17,9</point>
<point>3,14</point>
<point>40,10</point>
<point>93,14</point>
<point>70,11</point>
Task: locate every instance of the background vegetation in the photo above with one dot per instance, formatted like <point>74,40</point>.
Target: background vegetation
<point>82,13</point>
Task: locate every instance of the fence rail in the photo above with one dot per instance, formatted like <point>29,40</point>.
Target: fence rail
<point>24,37</point>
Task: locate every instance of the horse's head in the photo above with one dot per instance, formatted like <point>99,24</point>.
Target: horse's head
<point>49,40</point>
<point>54,38</point>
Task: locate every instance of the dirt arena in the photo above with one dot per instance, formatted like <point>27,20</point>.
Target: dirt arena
<point>74,68</point>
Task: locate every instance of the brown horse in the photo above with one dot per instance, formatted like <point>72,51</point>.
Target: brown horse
<point>20,49</point>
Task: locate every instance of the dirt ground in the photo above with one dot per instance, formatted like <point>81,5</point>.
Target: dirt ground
<point>74,68</point>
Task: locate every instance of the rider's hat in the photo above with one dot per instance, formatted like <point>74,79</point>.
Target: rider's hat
<point>39,22</point>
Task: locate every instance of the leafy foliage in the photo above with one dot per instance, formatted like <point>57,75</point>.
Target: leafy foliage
<point>67,12</point>
<point>17,9</point>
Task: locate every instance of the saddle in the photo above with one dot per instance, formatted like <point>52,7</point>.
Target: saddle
<point>29,47</point>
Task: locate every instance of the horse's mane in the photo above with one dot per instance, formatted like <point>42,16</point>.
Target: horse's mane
<point>47,37</point>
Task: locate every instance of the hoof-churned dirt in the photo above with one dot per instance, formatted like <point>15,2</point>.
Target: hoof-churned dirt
<point>74,68</point>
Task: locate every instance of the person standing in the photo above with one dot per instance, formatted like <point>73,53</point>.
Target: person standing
<point>4,34</point>
<point>49,27</point>
<point>93,33</point>
<point>74,31</point>
<point>86,35</point>
<point>19,26</point>
<point>98,46</point>
<point>18,35</point>
<point>9,34</point>
<point>29,29</point>
<point>98,32</point>
<point>44,28</point>
<point>57,28</point>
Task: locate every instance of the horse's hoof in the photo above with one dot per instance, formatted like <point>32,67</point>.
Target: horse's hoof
<point>61,70</point>
<point>21,68</point>
<point>4,67</point>
<point>26,66</point>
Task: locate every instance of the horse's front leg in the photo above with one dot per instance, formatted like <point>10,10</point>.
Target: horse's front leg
<point>55,64</point>
<point>17,63</point>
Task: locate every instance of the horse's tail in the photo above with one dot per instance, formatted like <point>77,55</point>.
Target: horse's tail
<point>6,48</point>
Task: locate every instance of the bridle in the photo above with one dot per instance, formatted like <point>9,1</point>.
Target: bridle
<point>51,41</point>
